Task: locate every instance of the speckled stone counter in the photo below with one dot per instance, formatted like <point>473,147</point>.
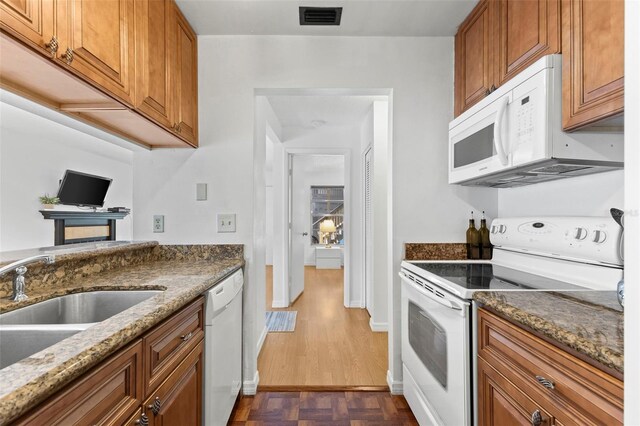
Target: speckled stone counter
<point>590,323</point>
<point>182,272</point>
<point>435,251</point>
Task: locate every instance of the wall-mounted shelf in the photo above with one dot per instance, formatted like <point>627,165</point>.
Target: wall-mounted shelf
<point>83,226</point>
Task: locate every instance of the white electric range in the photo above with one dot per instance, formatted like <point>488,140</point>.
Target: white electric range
<point>438,329</point>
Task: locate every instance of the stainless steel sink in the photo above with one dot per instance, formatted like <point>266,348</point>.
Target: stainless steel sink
<point>29,330</point>
<point>18,343</point>
<point>79,308</point>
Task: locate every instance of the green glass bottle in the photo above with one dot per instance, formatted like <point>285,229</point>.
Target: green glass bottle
<point>486,248</point>
<point>473,240</point>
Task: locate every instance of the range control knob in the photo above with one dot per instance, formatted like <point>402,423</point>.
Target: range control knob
<point>502,229</point>
<point>580,233</point>
<point>599,237</point>
<point>494,229</point>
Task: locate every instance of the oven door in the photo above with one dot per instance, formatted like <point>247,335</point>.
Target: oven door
<point>436,351</point>
<point>478,145</point>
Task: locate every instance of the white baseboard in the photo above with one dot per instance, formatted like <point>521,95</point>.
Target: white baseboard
<point>356,304</point>
<point>250,387</point>
<point>279,304</point>
<point>378,326</point>
<point>263,336</point>
<point>395,386</point>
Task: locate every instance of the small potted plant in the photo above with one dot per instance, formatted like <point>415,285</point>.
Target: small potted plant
<point>48,202</point>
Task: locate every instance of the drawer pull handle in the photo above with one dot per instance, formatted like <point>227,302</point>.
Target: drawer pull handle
<point>52,46</point>
<point>68,56</point>
<point>186,337</point>
<point>545,382</point>
<point>143,421</point>
<point>155,407</point>
<point>536,418</point>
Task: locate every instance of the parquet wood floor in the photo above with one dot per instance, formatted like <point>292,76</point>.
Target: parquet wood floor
<point>331,345</point>
<point>322,408</point>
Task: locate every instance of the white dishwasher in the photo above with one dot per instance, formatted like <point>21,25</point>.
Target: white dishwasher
<point>223,349</point>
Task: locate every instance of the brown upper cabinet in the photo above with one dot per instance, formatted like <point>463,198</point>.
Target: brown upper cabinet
<point>474,57</point>
<point>499,39</point>
<point>592,61</point>
<point>526,30</point>
<point>186,79</point>
<point>96,41</point>
<point>155,20</point>
<point>30,20</point>
<point>126,66</point>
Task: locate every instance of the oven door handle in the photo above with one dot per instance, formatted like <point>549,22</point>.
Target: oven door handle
<point>440,300</point>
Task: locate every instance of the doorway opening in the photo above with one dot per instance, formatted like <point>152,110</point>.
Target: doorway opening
<point>326,315</point>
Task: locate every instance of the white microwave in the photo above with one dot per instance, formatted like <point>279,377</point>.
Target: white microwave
<point>514,136</point>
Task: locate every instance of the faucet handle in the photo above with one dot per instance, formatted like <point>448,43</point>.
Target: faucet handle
<point>21,270</point>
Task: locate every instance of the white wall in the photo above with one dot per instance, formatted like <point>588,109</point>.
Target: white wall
<point>418,70</point>
<point>34,154</point>
<point>591,195</point>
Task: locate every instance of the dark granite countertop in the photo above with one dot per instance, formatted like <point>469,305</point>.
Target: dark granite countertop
<point>591,323</point>
<point>182,272</point>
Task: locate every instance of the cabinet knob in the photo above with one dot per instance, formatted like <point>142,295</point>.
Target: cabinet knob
<point>143,420</point>
<point>52,46</point>
<point>155,407</point>
<point>68,56</point>
<point>187,336</point>
<point>536,418</point>
<point>546,382</point>
<point>177,128</point>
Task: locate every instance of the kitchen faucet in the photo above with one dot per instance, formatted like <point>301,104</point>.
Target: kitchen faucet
<point>20,268</point>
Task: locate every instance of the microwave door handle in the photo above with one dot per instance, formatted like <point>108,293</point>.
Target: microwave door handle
<point>497,131</point>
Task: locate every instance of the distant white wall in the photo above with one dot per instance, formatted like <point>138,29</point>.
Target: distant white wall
<point>34,154</point>
<point>591,195</point>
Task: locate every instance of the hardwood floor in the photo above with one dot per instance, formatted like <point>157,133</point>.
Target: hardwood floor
<point>331,345</point>
<point>322,408</point>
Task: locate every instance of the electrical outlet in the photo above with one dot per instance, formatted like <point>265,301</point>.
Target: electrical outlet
<point>226,223</point>
<point>158,223</point>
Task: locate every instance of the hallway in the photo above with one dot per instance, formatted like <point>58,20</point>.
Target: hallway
<point>331,345</point>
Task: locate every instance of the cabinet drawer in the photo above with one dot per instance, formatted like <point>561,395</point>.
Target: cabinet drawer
<point>108,395</point>
<point>503,403</point>
<point>580,393</point>
<point>167,345</point>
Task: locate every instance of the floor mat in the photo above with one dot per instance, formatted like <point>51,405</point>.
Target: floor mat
<point>281,321</point>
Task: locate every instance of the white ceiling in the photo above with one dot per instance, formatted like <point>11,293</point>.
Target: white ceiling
<point>303,111</point>
<point>359,17</point>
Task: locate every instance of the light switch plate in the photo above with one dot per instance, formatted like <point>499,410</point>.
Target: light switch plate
<point>158,223</point>
<point>226,223</point>
<point>201,191</point>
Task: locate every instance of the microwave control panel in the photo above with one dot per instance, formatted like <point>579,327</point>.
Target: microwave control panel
<point>524,120</point>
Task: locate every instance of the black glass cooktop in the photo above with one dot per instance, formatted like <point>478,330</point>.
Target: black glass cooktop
<point>485,276</point>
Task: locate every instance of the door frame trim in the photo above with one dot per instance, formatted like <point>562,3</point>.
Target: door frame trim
<point>346,154</point>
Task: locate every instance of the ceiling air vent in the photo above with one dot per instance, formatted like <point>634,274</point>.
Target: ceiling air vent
<point>320,15</point>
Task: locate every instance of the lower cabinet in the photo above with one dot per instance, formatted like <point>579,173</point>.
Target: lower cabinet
<point>178,401</point>
<point>114,392</point>
<point>522,379</point>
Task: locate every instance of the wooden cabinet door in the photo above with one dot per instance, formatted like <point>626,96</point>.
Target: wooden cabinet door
<point>107,395</point>
<point>154,88</point>
<point>526,30</point>
<point>97,41</point>
<point>178,401</point>
<point>592,61</point>
<point>501,403</point>
<point>32,21</point>
<point>474,57</point>
<point>186,80</point>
